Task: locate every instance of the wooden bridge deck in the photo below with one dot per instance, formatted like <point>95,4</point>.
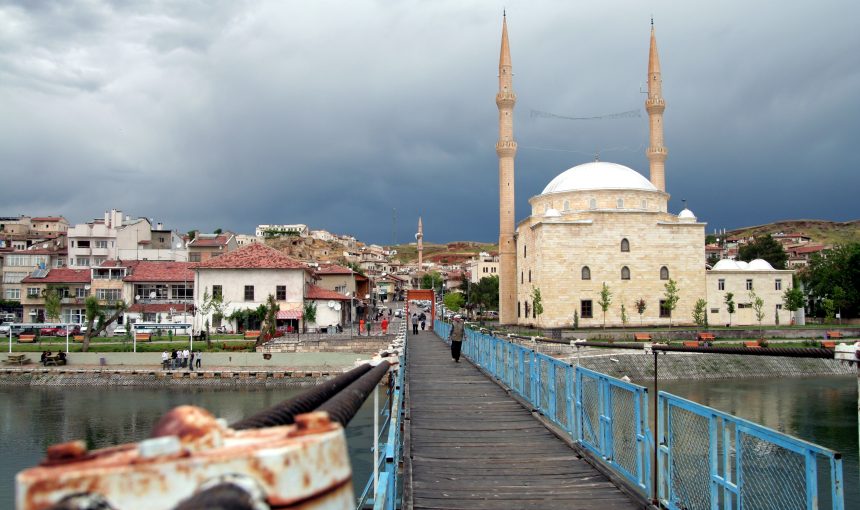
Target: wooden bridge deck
<point>473,446</point>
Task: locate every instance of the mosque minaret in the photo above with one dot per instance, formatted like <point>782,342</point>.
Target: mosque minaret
<point>506,148</point>
<point>420,237</point>
<point>655,104</point>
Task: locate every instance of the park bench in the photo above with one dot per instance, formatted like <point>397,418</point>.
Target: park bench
<point>252,334</point>
<point>78,338</point>
<point>834,334</point>
<point>642,337</point>
<point>16,359</point>
<point>705,337</point>
<point>751,343</point>
<point>692,343</point>
<point>54,360</point>
<point>26,339</point>
<point>142,337</point>
<point>828,344</point>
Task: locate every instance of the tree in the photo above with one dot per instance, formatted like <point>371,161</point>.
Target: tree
<point>52,304</point>
<point>713,259</point>
<point>270,322</point>
<point>192,234</point>
<point>310,313</point>
<point>605,300</point>
<point>829,306</point>
<point>764,247</point>
<point>215,305</point>
<point>217,231</point>
<point>730,305</point>
<point>356,268</point>
<point>96,318</point>
<point>700,313</point>
<point>432,280</point>
<point>792,299</point>
<point>485,294</point>
<point>454,301</point>
<point>710,239</point>
<point>641,306</point>
<point>624,317</point>
<point>537,302</point>
<point>758,307</point>
<point>670,298</point>
<point>839,268</point>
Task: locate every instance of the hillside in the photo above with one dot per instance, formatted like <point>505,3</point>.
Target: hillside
<point>821,231</point>
<point>443,253</point>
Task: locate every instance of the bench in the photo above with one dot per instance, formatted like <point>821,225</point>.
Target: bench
<point>642,337</point>
<point>705,337</point>
<point>828,344</point>
<point>142,337</point>
<point>834,334</point>
<point>78,338</point>
<point>54,360</point>
<point>252,334</point>
<point>26,339</point>
<point>16,359</point>
<point>752,344</point>
<point>692,343</point>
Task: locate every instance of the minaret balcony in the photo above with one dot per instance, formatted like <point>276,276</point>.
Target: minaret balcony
<point>657,153</point>
<point>506,148</point>
<point>655,104</point>
<point>506,99</point>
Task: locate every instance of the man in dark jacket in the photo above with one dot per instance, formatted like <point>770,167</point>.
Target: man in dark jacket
<point>456,337</point>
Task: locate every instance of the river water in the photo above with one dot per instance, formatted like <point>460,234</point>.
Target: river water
<point>31,419</point>
<point>822,410</point>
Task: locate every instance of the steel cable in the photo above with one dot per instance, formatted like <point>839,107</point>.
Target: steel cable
<point>342,407</point>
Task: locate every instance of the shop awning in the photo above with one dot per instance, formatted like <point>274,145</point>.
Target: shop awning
<point>289,314</point>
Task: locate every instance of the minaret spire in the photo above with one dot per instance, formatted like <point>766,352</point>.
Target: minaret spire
<point>420,237</point>
<point>655,105</point>
<point>506,149</point>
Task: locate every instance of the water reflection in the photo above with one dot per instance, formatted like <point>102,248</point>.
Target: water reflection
<point>31,419</point>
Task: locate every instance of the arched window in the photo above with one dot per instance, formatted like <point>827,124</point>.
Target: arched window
<point>620,203</point>
<point>592,204</point>
<point>521,277</point>
<point>567,205</point>
<point>586,273</point>
<point>625,273</point>
<point>527,309</point>
<point>519,309</point>
<point>664,273</point>
<point>530,275</point>
<point>625,245</point>
<point>644,204</point>
<point>525,251</point>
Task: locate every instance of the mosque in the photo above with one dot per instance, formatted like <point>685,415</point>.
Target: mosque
<point>604,223</point>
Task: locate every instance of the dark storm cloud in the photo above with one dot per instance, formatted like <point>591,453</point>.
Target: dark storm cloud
<point>229,114</point>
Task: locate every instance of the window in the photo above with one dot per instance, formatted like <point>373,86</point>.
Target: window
<point>749,285</point>
<point>625,245</point>
<point>592,204</point>
<point>744,305</point>
<point>83,244</point>
<point>82,261</point>
<point>109,294</point>
<point>665,313</point>
<point>525,251</point>
<point>217,291</point>
<point>182,291</point>
<point>664,273</point>
<point>585,309</point>
<point>249,292</point>
<point>527,309</point>
<point>14,277</point>
<point>721,284</point>
<point>60,262</point>
<point>521,277</point>
<point>519,309</point>
<point>534,313</point>
<point>625,273</point>
<point>567,205</point>
<point>32,292</point>
<point>644,204</point>
<point>13,294</point>
<point>101,244</point>
<point>530,275</point>
<point>98,261</point>
<point>619,203</point>
<point>193,257</point>
<point>281,292</point>
<point>779,307</point>
<point>715,310</point>
<point>586,273</point>
<point>81,292</point>
<point>777,284</point>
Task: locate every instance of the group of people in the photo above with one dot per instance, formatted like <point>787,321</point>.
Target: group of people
<point>367,326</point>
<point>181,359</point>
<point>416,319</point>
<point>61,357</point>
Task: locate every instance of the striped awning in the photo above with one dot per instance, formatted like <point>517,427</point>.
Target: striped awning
<point>289,314</point>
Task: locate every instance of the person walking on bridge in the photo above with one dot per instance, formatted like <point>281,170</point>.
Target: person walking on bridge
<point>414,323</point>
<point>456,337</point>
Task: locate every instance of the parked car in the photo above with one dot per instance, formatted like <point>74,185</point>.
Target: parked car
<point>72,330</point>
<point>5,328</point>
<point>52,331</point>
<point>222,330</point>
<point>120,331</point>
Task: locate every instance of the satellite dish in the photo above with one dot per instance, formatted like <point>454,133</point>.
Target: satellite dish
<point>337,306</point>
<point>86,287</point>
<point>331,304</point>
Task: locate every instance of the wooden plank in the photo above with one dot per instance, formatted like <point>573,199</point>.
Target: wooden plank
<point>472,446</point>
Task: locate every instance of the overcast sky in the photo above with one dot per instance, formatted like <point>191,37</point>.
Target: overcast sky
<point>206,114</point>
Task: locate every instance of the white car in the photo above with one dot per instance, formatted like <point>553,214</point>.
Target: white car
<point>120,331</point>
<point>5,328</point>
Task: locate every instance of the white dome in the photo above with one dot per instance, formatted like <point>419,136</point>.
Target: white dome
<point>687,214</point>
<point>598,175</point>
<point>759,265</point>
<point>552,213</point>
<point>742,265</point>
<point>726,265</point>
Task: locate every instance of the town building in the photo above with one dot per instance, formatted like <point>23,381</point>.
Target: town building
<point>207,246</point>
<point>746,281</point>
<point>72,285</point>
<point>482,266</point>
<point>297,229</point>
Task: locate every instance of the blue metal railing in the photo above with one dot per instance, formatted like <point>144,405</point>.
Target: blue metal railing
<point>706,459</point>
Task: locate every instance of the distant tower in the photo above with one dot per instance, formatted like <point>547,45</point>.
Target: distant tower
<point>420,237</point>
<point>655,104</point>
<point>506,148</point>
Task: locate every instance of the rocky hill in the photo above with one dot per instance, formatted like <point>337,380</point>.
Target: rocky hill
<point>450,253</point>
<point>821,231</point>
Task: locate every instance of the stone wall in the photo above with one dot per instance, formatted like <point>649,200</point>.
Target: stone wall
<point>283,361</point>
<point>161,379</point>
<point>357,344</point>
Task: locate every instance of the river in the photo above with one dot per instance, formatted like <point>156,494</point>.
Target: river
<point>31,419</point>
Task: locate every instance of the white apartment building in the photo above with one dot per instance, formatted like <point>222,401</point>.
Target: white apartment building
<point>482,266</point>
<point>298,229</point>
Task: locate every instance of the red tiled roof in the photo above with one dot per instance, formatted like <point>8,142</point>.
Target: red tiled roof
<point>809,248</point>
<point>334,269</point>
<point>252,256</point>
<point>47,219</point>
<point>160,271</point>
<point>315,292</point>
<point>199,242</point>
<point>288,314</point>
<point>62,275</point>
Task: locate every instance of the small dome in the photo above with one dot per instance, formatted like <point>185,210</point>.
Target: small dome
<point>686,215</point>
<point>598,175</point>
<point>742,265</point>
<point>726,265</point>
<point>759,265</point>
<point>552,213</point>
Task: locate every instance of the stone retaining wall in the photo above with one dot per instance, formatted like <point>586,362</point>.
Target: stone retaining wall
<point>358,345</point>
<point>161,379</point>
